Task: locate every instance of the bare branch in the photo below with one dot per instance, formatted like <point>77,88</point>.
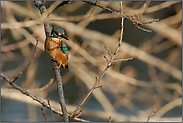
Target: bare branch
<point>28,64</point>
<point>28,94</point>
<point>36,98</point>
<point>130,18</point>
<point>44,13</point>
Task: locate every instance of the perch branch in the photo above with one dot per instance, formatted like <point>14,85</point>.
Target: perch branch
<point>60,92</point>
<point>43,10</point>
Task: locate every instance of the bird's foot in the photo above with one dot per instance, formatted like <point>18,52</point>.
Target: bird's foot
<point>58,66</point>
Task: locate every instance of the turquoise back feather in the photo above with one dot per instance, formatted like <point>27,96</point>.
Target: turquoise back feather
<point>64,49</point>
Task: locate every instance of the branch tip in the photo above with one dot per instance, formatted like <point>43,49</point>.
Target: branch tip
<point>110,118</point>
<point>152,114</point>
<point>96,78</point>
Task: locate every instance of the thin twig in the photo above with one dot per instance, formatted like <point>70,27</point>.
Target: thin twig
<point>41,107</point>
<point>51,110</point>
<point>62,4</point>
<point>121,37</point>
<point>105,8</point>
<point>80,105</point>
<point>130,18</point>
<point>106,59</point>
<point>110,53</point>
<point>110,118</point>
<point>146,30</point>
<point>109,64</point>
<point>98,86</point>
<point>43,88</point>
<point>29,62</point>
<point>152,114</point>
<point>122,60</point>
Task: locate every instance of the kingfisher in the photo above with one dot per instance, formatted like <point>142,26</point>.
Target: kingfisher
<point>56,48</point>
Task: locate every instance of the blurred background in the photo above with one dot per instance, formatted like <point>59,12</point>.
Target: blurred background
<point>131,90</point>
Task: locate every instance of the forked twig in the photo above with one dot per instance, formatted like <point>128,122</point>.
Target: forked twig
<point>135,22</point>
<point>28,64</point>
<point>109,64</point>
<point>80,105</point>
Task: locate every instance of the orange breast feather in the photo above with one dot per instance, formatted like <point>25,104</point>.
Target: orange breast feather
<point>52,48</point>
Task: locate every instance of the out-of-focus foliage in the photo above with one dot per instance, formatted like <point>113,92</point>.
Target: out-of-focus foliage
<point>131,90</point>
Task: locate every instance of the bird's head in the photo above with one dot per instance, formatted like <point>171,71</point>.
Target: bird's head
<point>58,31</point>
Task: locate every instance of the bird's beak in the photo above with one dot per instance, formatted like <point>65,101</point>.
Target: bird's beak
<point>63,36</point>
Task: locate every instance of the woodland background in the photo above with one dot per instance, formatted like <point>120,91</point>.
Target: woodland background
<point>131,90</point>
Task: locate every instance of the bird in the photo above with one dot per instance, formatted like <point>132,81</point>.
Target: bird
<point>56,48</point>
